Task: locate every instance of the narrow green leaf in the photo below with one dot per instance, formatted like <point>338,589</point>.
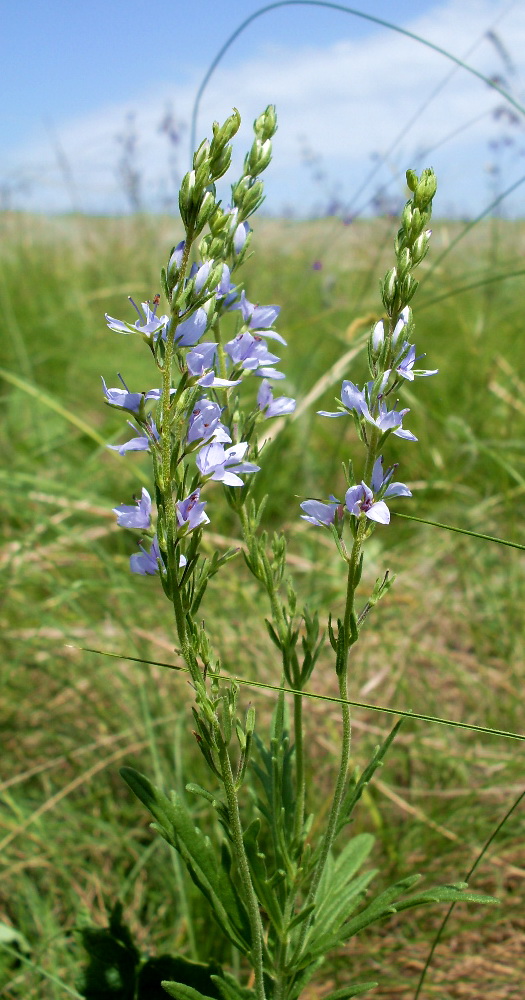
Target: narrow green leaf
<point>182,992</point>
<point>265,892</point>
<point>229,988</point>
<point>177,827</point>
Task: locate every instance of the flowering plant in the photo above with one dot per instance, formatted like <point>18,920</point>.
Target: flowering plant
<point>281,898</point>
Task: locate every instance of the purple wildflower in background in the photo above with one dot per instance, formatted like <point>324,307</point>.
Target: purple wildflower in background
<point>138,516</point>
<point>148,323</point>
<point>273,407</point>
<point>190,512</point>
<point>216,462</point>
<point>205,423</point>
<point>319,513</point>
<point>317,265</point>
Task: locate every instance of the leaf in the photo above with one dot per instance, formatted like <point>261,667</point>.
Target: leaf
<point>229,988</point>
<point>178,969</point>
<point>353,990</point>
<point>383,906</point>
<point>176,825</point>
<point>113,961</point>
<point>182,992</point>
<point>264,891</point>
<point>340,871</point>
<point>339,892</point>
<point>354,794</point>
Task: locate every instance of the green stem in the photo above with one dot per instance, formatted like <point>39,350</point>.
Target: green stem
<point>244,870</point>
<point>280,623</point>
<point>300,784</point>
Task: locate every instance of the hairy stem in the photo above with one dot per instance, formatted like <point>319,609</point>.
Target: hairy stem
<point>244,870</point>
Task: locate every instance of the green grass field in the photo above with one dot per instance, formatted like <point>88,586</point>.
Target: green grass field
<point>447,641</point>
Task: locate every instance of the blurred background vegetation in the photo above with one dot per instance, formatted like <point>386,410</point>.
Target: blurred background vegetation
<point>448,640</point>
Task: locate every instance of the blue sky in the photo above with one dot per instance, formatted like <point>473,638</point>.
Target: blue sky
<point>345,89</point>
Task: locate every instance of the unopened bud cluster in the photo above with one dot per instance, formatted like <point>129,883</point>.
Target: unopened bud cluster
<point>411,243</point>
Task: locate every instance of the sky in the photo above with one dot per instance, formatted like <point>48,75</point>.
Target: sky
<point>357,102</point>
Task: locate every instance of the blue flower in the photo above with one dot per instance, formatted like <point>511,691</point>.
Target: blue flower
<point>253,355</point>
<point>138,516</point>
<point>405,366</point>
<point>360,499</point>
<point>126,400</point>
<point>141,443</point>
<point>146,563</point>
<point>148,323</point>
<point>205,423</point>
<point>190,512</point>
<point>216,462</point>
<point>273,407</point>
<point>260,318</point>
<point>320,514</point>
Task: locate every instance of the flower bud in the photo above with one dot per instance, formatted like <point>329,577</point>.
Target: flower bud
<point>258,158</point>
<point>202,154</point>
<point>402,326</point>
<point>253,198</point>
<point>425,189</point>
<point>240,236</point>
<point>404,262</point>
<point>389,289</point>
<point>265,126</point>
<point>220,162</point>
<point>223,133</point>
<point>412,180</point>
<point>206,209</point>
<point>420,247</point>
<point>174,263</point>
<point>186,194</point>
<point>378,338</point>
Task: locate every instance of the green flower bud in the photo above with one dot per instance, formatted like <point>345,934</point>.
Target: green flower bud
<point>412,180</point>
<point>426,189</point>
<point>265,126</point>
<point>407,288</point>
<point>223,133</point>
<point>404,263</point>
<point>253,198</point>
<point>420,247</point>
<point>219,163</point>
<point>202,154</point>
<point>186,195</point>
<point>389,288</point>
<point>202,174</point>
<point>206,208</point>
<point>250,720</point>
<point>258,158</point>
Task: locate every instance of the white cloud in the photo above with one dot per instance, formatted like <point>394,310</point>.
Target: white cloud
<point>351,99</point>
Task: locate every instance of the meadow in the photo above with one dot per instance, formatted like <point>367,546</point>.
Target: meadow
<point>447,641</point>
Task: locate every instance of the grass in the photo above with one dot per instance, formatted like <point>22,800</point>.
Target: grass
<point>447,641</point>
